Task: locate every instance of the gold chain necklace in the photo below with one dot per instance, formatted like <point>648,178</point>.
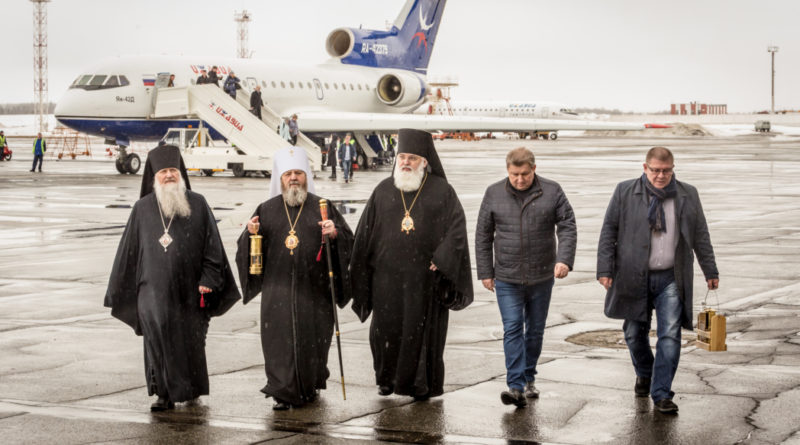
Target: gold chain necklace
<point>165,239</point>
<point>407,225</point>
<point>292,241</point>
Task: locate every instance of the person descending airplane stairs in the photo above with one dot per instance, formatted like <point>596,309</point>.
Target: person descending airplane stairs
<point>253,137</point>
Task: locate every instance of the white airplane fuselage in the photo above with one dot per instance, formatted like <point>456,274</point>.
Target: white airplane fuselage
<point>122,111</point>
<point>533,110</point>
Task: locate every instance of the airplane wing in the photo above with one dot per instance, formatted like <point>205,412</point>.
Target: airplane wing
<point>313,121</point>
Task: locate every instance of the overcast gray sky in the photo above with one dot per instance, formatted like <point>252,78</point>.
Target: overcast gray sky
<point>635,55</point>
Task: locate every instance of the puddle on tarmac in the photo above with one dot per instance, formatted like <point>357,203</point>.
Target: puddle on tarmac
<point>344,206</point>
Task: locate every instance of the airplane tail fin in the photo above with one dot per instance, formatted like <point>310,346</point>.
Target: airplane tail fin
<point>407,45</point>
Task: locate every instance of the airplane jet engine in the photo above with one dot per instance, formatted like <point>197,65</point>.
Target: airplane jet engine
<point>400,89</point>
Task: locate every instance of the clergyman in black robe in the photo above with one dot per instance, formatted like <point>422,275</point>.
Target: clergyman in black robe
<point>410,266</point>
<point>296,305</point>
<point>171,251</point>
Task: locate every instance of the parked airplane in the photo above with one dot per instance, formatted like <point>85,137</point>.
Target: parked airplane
<point>496,108</point>
<point>373,82</point>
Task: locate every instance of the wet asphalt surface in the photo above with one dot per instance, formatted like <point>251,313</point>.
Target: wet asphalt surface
<point>70,373</point>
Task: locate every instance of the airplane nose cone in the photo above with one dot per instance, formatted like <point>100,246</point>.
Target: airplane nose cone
<point>68,105</point>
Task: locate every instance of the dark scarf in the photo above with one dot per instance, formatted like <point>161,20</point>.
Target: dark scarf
<point>655,213</point>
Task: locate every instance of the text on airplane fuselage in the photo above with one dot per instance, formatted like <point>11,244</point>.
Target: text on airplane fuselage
<point>223,70</point>
<point>375,48</point>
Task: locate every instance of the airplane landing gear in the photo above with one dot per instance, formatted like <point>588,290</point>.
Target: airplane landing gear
<point>127,163</point>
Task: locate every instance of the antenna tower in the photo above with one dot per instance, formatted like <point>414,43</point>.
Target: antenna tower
<point>40,62</point>
<point>242,20</point>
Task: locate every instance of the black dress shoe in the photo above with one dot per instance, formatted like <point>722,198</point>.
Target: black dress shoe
<point>513,397</point>
<point>642,387</point>
<point>666,406</point>
<point>162,404</point>
<point>280,405</point>
<point>385,390</point>
<point>422,397</point>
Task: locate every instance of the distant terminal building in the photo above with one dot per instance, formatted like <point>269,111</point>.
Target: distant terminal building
<point>696,108</point>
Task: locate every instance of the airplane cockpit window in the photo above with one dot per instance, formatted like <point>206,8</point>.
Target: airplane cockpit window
<point>99,81</point>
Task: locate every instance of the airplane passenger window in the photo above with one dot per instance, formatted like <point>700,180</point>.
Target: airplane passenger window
<point>291,84</point>
<point>351,87</point>
<point>326,86</point>
<point>359,87</point>
<point>300,85</point>
<point>123,81</point>
<point>344,87</point>
<point>264,83</point>
<point>366,87</point>
<point>111,82</point>
<point>309,85</point>
<point>335,86</point>
<point>283,85</point>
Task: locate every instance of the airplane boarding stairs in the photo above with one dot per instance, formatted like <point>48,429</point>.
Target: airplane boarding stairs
<point>273,120</point>
<point>232,120</point>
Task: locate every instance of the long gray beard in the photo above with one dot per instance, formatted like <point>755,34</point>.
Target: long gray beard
<point>408,181</point>
<point>172,199</point>
<point>294,195</point>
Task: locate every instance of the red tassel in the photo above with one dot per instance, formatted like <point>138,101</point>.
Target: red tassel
<point>202,300</point>
<point>319,254</point>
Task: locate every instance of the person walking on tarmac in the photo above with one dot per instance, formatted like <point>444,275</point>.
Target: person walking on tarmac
<point>39,147</point>
<point>333,155</point>
<point>347,154</point>
<point>3,146</point>
<point>255,102</point>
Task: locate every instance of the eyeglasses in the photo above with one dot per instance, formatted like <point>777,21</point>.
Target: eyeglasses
<point>658,171</point>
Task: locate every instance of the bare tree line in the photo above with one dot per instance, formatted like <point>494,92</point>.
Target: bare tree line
<point>24,108</point>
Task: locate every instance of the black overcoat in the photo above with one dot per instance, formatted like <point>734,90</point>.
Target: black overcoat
<point>623,251</point>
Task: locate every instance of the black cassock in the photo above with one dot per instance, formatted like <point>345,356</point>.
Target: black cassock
<point>156,293</point>
<point>296,305</point>
<point>391,279</point>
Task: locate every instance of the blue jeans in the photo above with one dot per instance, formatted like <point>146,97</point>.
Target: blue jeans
<point>524,312</point>
<point>346,164</point>
<point>662,294</point>
<point>37,158</point>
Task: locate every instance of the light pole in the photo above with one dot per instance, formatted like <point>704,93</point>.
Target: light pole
<point>772,50</point>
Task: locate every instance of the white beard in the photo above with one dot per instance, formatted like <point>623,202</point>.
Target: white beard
<point>409,181</point>
<point>294,195</point>
<point>172,199</point>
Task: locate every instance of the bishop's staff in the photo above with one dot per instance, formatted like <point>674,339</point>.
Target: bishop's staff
<point>323,210</point>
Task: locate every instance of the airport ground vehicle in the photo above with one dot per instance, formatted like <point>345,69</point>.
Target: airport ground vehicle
<point>763,126</point>
<point>201,153</point>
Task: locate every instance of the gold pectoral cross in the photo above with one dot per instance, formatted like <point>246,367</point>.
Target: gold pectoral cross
<point>291,242</point>
<point>407,225</point>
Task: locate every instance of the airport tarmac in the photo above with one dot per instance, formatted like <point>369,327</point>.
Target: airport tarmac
<point>70,373</point>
